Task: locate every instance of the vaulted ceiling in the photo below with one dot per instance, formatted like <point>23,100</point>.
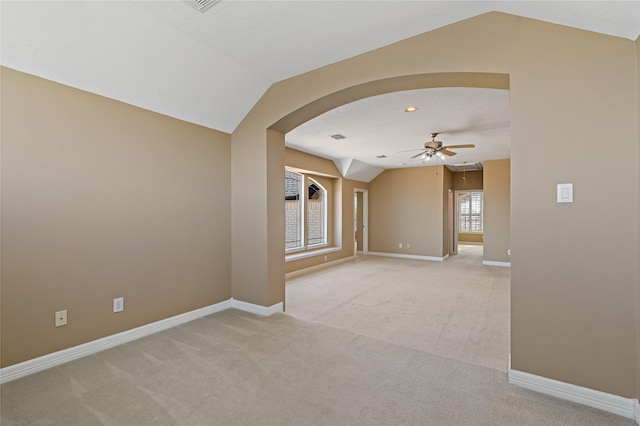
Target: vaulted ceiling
<point>211,68</point>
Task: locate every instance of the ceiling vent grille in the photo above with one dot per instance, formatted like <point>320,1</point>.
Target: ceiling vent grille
<point>202,5</point>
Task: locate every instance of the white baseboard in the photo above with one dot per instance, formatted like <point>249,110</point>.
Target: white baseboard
<point>592,398</point>
<point>494,263</point>
<point>294,274</point>
<point>31,366</point>
<point>408,256</point>
<point>264,311</point>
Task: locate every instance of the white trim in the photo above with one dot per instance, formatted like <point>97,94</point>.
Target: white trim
<point>34,365</point>
<point>494,263</point>
<point>264,311</point>
<point>585,396</point>
<point>305,254</point>
<point>303,271</point>
<point>408,256</point>
<point>637,412</point>
<point>365,219</point>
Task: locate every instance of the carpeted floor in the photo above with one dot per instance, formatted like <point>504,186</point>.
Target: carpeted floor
<point>457,308</point>
<point>235,368</point>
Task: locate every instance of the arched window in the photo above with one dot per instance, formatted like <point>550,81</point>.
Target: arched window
<point>305,217</point>
<point>316,213</point>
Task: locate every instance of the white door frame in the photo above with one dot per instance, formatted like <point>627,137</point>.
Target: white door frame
<point>452,230</point>
<point>365,219</point>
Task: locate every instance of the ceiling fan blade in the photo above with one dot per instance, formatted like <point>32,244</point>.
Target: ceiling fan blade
<point>418,155</point>
<point>447,152</point>
<point>409,150</point>
<point>459,146</point>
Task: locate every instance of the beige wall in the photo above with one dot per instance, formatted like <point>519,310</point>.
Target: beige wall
<point>638,243</point>
<point>310,163</point>
<point>464,237</point>
<point>103,200</point>
<point>497,211</point>
<point>340,227</point>
<point>573,293</point>
<point>468,180</point>
<point>406,206</point>
<point>275,212</point>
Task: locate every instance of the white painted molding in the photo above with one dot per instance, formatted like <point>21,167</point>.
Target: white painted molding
<point>408,256</point>
<point>637,412</point>
<point>306,254</point>
<point>494,263</point>
<point>294,274</point>
<point>264,311</point>
<point>31,366</point>
<point>585,396</point>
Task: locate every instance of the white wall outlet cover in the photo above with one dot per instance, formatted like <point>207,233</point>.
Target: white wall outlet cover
<point>565,193</point>
<point>61,318</point>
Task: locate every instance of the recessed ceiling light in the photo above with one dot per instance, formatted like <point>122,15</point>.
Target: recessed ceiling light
<point>411,109</point>
<point>338,136</point>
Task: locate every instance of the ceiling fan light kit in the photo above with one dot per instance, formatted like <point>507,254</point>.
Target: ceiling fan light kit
<point>435,148</point>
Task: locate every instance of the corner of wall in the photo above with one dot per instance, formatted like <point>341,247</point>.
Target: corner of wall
<point>638,234</point>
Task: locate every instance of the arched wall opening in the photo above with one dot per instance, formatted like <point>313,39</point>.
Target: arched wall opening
<point>570,321</point>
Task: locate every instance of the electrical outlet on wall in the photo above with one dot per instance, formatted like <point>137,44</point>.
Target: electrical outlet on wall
<point>400,245</point>
<point>61,318</point>
<point>408,245</point>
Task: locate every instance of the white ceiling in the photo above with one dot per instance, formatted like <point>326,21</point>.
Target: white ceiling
<point>379,125</point>
<point>211,68</point>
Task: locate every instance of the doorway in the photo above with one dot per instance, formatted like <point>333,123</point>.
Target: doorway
<point>361,221</point>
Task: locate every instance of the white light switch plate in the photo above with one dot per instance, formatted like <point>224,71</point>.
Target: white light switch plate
<point>565,193</point>
<point>118,304</point>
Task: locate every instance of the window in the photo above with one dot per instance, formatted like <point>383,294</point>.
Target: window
<point>470,211</point>
<point>293,210</point>
<point>305,217</point>
<point>316,213</point>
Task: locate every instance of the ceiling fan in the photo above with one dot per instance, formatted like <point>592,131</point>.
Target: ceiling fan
<point>435,148</point>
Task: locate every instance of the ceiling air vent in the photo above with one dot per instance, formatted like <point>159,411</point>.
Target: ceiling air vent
<point>338,136</point>
<point>202,5</point>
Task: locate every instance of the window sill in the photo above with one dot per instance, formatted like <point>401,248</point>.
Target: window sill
<point>305,254</point>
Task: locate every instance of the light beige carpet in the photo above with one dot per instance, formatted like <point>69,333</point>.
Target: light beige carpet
<point>457,308</point>
<point>234,368</point>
